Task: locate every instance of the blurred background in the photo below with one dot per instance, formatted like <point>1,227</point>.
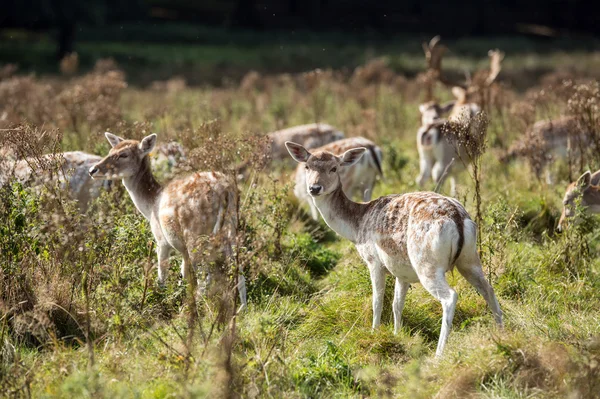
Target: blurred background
<point>213,41</point>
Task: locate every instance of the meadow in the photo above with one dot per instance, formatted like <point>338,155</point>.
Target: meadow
<point>81,314</point>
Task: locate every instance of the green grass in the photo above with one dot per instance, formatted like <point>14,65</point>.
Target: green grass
<point>306,332</point>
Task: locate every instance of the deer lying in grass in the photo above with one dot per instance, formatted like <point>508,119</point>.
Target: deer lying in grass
<point>312,135</point>
<point>587,189</point>
<point>357,181</point>
<point>417,237</point>
<point>181,213</point>
<point>68,168</point>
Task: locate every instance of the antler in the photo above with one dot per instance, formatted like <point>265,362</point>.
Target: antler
<point>434,51</point>
<point>486,77</point>
<point>496,57</point>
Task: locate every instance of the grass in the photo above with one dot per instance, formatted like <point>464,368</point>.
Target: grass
<point>307,331</point>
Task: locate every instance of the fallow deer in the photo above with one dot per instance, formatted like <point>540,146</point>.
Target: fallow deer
<point>548,140</point>
<point>587,190</point>
<point>183,213</point>
<point>417,237</point>
<point>312,135</point>
<point>437,139</point>
<point>357,181</point>
<point>70,169</point>
<point>441,152</point>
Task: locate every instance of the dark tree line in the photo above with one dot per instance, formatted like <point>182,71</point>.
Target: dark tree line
<point>458,18</point>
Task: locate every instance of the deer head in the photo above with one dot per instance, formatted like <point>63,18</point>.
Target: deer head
<point>125,159</point>
<point>323,168</point>
<point>587,190</point>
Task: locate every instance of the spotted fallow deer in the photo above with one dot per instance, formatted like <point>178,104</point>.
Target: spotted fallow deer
<point>441,153</point>
<point>417,237</point>
<point>587,190</point>
<point>436,138</point>
<point>69,169</point>
<point>312,135</point>
<point>357,181</point>
<point>183,213</point>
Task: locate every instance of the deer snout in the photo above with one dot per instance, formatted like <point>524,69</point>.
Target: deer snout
<point>315,189</point>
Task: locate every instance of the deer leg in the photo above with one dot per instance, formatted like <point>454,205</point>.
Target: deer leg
<point>425,164</point>
<point>400,290</point>
<point>438,173</point>
<point>163,251</point>
<point>378,282</point>
<point>474,275</point>
<point>241,286</point>
<point>438,287</point>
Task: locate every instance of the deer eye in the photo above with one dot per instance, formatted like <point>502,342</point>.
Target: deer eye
<point>306,167</point>
<point>123,155</point>
<point>334,170</point>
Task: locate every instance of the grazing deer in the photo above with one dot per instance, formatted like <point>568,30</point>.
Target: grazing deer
<point>417,237</point>
<point>585,188</point>
<point>181,213</point>
<point>70,169</point>
<point>312,135</point>
<point>547,140</point>
<point>357,181</point>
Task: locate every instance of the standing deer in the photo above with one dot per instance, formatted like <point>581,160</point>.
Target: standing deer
<point>417,237</point>
<point>181,213</point>
<point>585,188</point>
<point>357,181</point>
<point>441,154</point>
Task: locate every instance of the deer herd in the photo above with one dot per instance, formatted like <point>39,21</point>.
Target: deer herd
<point>415,237</point>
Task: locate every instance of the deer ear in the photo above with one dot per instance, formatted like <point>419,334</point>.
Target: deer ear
<point>147,144</point>
<point>299,153</point>
<point>584,180</point>
<point>113,140</point>
<point>352,156</point>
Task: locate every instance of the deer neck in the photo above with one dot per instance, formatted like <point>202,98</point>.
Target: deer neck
<point>143,189</point>
<point>341,214</point>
